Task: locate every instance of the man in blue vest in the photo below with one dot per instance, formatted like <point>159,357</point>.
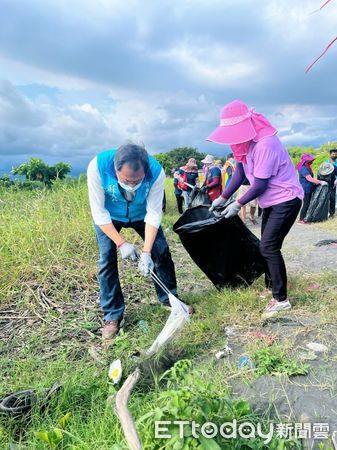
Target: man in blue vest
<point>126,188</point>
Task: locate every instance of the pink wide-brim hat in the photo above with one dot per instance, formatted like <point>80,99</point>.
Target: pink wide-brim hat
<point>235,125</point>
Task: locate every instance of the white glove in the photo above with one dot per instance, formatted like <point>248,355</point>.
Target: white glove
<point>128,251</point>
<point>145,264</point>
<point>324,183</point>
<point>218,203</point>
<point>335,183</point>
<point>232,210</point>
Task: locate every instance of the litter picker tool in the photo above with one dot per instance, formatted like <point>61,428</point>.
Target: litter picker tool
<point>178,317</point>
<point>189,185</point>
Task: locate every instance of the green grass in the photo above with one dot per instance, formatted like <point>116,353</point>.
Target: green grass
<point>48,250</point>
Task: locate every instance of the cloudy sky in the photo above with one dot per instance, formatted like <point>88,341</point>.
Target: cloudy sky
<point>81,76</point>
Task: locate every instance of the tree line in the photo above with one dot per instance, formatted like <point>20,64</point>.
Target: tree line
<point>38,173</point>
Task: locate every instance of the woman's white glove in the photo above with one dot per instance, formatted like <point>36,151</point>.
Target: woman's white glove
<point>218,203</point>
<point>145,264</point>
<point>231,210</point>
<point>128,251</point>
<point>324,183</point>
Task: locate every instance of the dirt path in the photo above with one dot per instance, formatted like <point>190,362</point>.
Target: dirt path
<point>300,253</point>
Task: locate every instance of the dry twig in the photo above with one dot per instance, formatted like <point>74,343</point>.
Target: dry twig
<point>123,413</point>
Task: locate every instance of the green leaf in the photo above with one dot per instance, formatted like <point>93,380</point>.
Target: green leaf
<point>242,408</point>
<point>208,444</point>
<point>43,435</point>
<point>55,436</point>
<point>145,417</point>
<point>64,420</point>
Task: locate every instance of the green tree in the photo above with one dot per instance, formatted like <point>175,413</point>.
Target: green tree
<point>59,171</point>
<point>178,157</point>
<point>165,161</point>
<point>34,170</point>
<point>5,181</point>
<point>327,147</point>
<point>321,154</point>
<point>37,170</point>
<point>296,152</point>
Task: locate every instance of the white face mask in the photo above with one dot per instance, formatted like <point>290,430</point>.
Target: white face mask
<point>128,188</point>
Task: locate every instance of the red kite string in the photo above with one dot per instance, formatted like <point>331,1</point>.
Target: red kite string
<point>320,56</point>
<point>324,4</point>
<point>326,49</point>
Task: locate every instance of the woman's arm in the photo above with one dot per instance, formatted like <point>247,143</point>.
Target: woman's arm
<point>258,188</point>
<point>312,180</point>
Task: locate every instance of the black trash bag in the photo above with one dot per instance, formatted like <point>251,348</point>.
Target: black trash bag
<point>199,197</point>
<point>318,210</point>
<point>224,249</point>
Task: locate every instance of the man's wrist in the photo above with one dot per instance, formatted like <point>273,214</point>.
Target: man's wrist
<point>145,250</point>
<point>120,243</point>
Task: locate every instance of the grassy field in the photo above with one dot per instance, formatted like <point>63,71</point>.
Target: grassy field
<point>50,331</point>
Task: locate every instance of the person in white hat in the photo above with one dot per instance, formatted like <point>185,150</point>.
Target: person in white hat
<point>213,180</point>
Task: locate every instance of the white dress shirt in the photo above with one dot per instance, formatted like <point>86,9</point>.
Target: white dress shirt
<point>101,215</point>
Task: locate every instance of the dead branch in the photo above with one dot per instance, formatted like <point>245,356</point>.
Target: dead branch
<point>123,413</point>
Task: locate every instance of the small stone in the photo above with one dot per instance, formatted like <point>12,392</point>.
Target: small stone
<point>316,347</point>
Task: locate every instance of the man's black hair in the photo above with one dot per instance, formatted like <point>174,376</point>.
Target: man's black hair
<point>230,155</point>
<point>132,154</point>
<point>333,150</point>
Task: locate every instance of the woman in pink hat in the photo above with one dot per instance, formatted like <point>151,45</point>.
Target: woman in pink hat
<point>261,158</point>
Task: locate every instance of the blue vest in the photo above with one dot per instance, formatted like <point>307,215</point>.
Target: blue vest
<point>119,208</point>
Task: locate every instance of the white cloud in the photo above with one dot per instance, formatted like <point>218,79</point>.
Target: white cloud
<point>89,75</point>
<point>211,64</point>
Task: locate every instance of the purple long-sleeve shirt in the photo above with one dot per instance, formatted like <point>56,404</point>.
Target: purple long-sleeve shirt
<point>257,188</point>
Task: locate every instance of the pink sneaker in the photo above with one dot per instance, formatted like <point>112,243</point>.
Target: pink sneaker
<point>274,307</point>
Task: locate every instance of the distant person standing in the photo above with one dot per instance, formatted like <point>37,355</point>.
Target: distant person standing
<point>212,185</point>
<point>188,178</point>
<point>308,183</point>
<point>228,170</point>
<point>177,191</point>
<point>218,163</point>
<point>333,161</point>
